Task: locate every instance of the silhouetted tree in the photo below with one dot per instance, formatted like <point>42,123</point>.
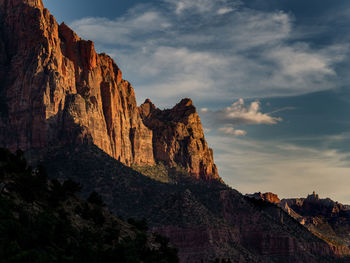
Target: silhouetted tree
<point>95,198</point>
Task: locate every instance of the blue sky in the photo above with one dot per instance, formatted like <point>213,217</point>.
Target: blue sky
<point>269,79</point>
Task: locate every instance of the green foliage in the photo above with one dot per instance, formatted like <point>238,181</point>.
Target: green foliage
<point>61,192</point>
<point>93,213</point>
<point>42,221</point>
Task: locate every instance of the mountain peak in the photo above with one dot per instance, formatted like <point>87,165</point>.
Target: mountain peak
<point>68,33</point>
<point>313,196</point>
<point>186,102</point>
<point>146,109</point>
<point>148,101</point>
<point>269,197</point>
<point>179,138</point>
<point>63,92</point>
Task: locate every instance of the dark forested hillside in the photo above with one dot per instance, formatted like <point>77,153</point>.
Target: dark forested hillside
<point>43,220</point>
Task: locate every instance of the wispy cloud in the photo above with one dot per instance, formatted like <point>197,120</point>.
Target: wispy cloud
<point>203,6</point>
<point>212,49</point>
<point>285,169</point>
<point>224,10</point>
<point>229,130</point>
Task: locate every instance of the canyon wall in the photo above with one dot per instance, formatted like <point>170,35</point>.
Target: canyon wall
<point>56,89</point>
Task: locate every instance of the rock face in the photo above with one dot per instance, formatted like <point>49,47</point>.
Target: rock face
<point>269,197</point>
<point>56,89</point>
<point>178,138</point>
<point>314,206</point>
<point>325,218</point>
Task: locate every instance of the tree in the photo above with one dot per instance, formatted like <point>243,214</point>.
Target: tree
<point>95,198</point>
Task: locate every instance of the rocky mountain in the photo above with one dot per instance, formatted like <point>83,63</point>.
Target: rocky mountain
<point>204,220</point>
<point>68,108</point>
<point>325,218</point>
<point>56,89</point>
<point>269,197</point>
<point>178,138</point>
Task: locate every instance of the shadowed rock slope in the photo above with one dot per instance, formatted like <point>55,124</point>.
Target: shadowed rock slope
<point>327,219</point>
<point>203,220</point>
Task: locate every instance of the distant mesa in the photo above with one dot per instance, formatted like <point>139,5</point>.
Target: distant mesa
<point>325,218</point>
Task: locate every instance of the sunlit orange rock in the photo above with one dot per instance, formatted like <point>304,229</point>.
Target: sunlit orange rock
<point>178,138</point>
<point>58,90</point>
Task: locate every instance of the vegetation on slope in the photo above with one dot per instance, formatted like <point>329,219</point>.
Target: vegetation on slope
<point>228,226</point>
<point>44,221</point>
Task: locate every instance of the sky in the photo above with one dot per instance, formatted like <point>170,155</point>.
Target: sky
<point>269,80</point>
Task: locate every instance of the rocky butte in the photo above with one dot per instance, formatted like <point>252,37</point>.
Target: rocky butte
<point>325,218</point>
<point>63,101</point>
<point>56,90</point>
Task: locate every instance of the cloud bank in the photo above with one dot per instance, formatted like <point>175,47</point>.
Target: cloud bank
<point>212,49</point>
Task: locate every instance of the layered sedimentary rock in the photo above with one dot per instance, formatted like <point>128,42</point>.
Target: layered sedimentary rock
<point>56,89</point>
<point>178,138</point>
<point>325,218</point>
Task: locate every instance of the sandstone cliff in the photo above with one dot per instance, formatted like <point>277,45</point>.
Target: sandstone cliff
<point>56,89</point>
<point>178,138</point>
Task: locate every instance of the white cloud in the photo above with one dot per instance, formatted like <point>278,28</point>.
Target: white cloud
<point>299,60</point>
<point>238,113</point>
<point>229,130</point>
<point>224,10</point>
<point>225,120</point>
<point>211,49</point>
<point>130,30</point>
